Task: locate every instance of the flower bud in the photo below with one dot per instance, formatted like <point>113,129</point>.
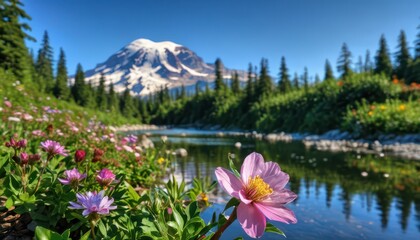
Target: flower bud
<point>80,155</point>
<point>24,158</point>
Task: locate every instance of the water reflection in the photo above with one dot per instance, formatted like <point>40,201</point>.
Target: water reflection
<point>341,195</point>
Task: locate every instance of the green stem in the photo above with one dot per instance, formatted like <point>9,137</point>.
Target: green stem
<point>92,229</point>
<point>42,173</point>
<point>228,222</point>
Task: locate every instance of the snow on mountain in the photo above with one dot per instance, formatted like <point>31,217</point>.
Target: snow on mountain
<point>145,67</point>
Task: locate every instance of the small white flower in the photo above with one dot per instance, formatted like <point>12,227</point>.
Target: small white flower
<point>13,119</point>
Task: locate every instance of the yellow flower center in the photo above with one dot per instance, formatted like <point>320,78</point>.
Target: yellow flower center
<point>257,189</point>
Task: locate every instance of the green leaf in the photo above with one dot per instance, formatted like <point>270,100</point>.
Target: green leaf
<point>131,192</point>
<point>232,202</point>
<point>192,210</point>
<point>273,229</point>
<point>85,236</point>
<point>233,168</point>
<point>42,233</point>
<point>102,229</point>
<point>192,228</point>
<point>178,218</point>
<point>9,203</point>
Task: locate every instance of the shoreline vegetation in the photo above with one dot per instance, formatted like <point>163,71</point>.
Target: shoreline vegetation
<point>405,145</point>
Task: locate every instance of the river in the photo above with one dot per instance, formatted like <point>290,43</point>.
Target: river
<point>340,195</point>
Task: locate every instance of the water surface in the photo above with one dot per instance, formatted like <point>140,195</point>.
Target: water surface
<point>341,195</point>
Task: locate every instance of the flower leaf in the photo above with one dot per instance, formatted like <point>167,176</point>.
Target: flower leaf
<point>273,229</point>
<point>233,168</point>
<point>233,202</point>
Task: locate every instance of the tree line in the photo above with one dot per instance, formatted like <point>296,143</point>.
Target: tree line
<point>205,105</point>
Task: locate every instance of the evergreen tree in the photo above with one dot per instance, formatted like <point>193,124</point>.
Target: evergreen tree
<point>61,89</point>
<point>360,65</point>
<point>44,65</point>
<point>344,62</point>
<point>317,79</point>
<point>403,58</point>
<point>296,81</point>
<point>249,88</point>
<point>219,84</point>
<point>284,82</point>
<point>78,89</point>
<point>127,108</point>
<point>112,99</point>
<point>14,55</point>
<point>417,46</point>
<point>328,70</point>
<point>305,79</point>
<point>101,101</point>
<point>235,86</point>
<point>382,59</point>
<point>197,88</point>
<point>265,84</point>
<point>368,66</point>
<point>183,94</point>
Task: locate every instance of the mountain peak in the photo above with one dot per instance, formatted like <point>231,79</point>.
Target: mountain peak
<point>145,67</point>
<point>149,44</point>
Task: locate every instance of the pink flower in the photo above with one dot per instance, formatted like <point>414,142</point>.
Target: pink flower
<point>53,148</point>
<point>261,192</point>
<point>7,104</point>
<point>105,177</point>
<point>73,177</point>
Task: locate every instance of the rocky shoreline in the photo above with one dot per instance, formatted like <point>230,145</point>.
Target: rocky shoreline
<point>405,146</point>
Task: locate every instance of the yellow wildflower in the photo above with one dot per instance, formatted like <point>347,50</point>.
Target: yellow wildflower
<point>382,107</point>
<point>370,113</point>
<point>402,107</point>
<point>161,160</point>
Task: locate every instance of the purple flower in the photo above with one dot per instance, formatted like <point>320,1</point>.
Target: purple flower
<point>261,192</point>
<point>53,148</point>
<point>105,177</point>
<point>93,203</point>
<point>73,177</point>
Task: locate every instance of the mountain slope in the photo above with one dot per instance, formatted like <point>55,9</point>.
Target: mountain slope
<point>145,67</point>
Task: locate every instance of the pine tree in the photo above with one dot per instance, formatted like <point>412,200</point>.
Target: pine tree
<point>360,65</point>
<point>402,57</point>
<point>183,94</point>
<point>382,59</point>
<point>265,84</point>
<point>284,82</point>
<point>317,79</point>
<point>44,65</point>
<point>368,66</point>
<point>417,45</point>
<point>344,62</point>
<point>328,70</point>
<point>61,89</point>
<point>249,88</point>
<point>112,99</point>
<point>296,84</point>
<point>14,55</point>
<point>101,101</point>
<point>79,87</point>
<point>235,86</point>
<point>219,84</point>
<point>305,79</point>
<point>127,108</point>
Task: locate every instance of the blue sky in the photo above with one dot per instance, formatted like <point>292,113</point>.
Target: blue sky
<point>306,32</point>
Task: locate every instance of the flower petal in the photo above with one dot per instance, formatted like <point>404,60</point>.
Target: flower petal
<point>251,219</point>
<point>229,182</point>
<point>243,198</point>
<point>284,196</point>
<point>253,165</point>
<point>64,181</point>
<point>277,212</point>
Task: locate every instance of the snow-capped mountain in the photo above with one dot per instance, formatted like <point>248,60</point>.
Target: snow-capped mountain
<point>145,67</point>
